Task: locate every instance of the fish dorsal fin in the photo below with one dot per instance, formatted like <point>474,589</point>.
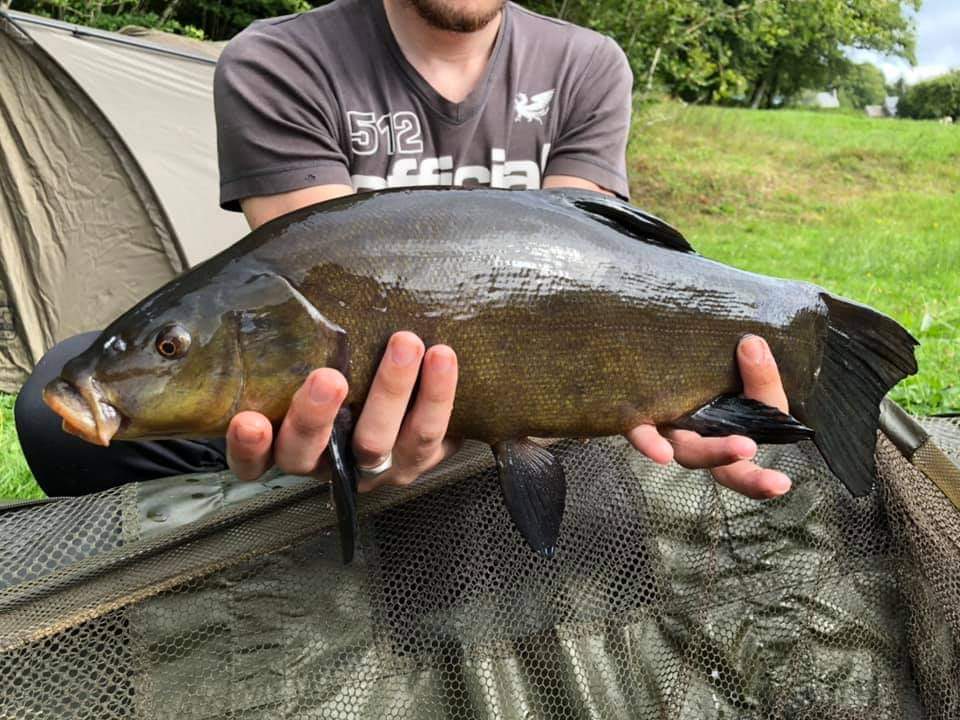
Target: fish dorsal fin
<point>627,219</point>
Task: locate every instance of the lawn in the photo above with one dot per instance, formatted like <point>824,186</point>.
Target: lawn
<point>16,482</point>
<point>866,208</point>
<point>869,209</point>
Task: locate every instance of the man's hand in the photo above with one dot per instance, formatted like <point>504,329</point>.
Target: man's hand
<point>727,457</point>
<point>416,441</point>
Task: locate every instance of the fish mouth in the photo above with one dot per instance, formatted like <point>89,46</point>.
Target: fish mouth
<point>85,413</point>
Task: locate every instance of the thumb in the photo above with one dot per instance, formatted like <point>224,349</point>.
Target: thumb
<point>761,377</point>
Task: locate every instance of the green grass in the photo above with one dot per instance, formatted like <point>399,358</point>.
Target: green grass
<point>869,209</point>
<point>16,482</point>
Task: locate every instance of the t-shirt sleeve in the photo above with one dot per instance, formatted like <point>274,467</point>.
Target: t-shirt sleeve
<point>271,136</point>
<point>592,143</point>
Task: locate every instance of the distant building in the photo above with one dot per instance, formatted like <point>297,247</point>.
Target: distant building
<point>875,111</point>
<point>890,105</point>
<point>827,100</point>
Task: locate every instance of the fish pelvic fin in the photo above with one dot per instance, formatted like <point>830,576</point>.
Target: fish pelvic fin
<point>735,415</point>
<point>866,353</point>
<point>343,482</point>
<point>534,490</point>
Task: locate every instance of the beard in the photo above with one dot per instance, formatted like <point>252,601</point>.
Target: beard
<point>462,16</point>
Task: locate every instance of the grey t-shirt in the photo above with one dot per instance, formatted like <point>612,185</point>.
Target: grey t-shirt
<point>327,96</point>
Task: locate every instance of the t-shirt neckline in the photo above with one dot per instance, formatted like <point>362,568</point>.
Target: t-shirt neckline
<point>452,112</point>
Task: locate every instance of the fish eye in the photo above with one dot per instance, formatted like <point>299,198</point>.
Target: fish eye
<point>173,342</point>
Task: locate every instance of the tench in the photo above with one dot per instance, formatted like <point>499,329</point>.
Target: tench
<point>573,314</point>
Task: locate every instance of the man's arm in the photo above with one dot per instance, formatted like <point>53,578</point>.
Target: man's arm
<point>416,440</point>
<point>261,209</point>
<point>417,443</point>
<point>589,149</point>
<point>278,154</point>
<point>728,458</point>
<point>590,153</point>
<point>570,181</point>
<point>593,135</point>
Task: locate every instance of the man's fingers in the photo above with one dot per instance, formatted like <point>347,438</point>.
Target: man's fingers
<point>249,437</point>
<point>693,451</point>
<point>402,476</point>
<point>306,428</point>
<point>420,442</point>
<point>651,443</point>
<point>751,480</point>
<point>761,377</point>
<point>386,403</point>
<point>727,457</point>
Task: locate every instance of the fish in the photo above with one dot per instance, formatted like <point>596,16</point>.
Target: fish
<point>573,314</point>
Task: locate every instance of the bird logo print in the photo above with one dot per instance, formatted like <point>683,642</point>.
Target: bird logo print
<point>532,109</point>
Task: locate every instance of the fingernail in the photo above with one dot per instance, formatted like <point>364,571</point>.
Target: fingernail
<point>441,361</point>
<point>403,353</point>
<point>781,485</point>
<point>320,392</point>
<point>249,435</point>
<point>753,349</point>
<point>747,450</point>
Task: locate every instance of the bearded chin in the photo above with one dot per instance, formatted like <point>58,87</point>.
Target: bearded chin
<point>446,15</point>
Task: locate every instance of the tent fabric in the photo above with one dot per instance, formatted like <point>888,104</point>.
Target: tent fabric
<point>109,179</point>
<point>669,598</point>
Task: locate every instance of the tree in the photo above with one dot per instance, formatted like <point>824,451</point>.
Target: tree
<point>806,45</point>
<point>932,99</point>
<point>861,85</point>
<point>758,52</point>
<point>899,88</point>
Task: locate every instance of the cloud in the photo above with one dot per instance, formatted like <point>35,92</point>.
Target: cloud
<point>911,75</point>
<point>895,68</point>
<point>938,45</point>
<point>938,33</point>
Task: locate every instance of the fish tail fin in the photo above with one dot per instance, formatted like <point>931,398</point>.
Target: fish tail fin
<point>865,355</point>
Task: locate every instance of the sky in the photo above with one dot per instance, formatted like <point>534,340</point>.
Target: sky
<point>938,45</point>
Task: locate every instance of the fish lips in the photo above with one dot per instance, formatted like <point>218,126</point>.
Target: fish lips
<point>85,413</point>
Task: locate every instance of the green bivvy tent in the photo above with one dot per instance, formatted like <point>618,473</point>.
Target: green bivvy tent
<point>108,177</point>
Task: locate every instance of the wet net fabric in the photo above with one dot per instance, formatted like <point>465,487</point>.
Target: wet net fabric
<point>669,597</point>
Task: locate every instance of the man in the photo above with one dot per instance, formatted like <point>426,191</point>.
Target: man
<point>365,94</point>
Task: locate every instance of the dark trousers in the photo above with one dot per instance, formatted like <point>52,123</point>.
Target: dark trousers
<point>66,465</point>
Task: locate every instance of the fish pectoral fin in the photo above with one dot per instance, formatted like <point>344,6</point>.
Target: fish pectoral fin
<point>735,415</point>
<point>535,491</point>
<point>343,482</point>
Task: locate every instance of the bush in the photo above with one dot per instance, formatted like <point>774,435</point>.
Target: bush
<point>932,99</point>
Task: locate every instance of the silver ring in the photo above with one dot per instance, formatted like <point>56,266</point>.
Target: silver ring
<point>377,470</point>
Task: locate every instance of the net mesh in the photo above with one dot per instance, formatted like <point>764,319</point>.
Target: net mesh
<point>669,597</point>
